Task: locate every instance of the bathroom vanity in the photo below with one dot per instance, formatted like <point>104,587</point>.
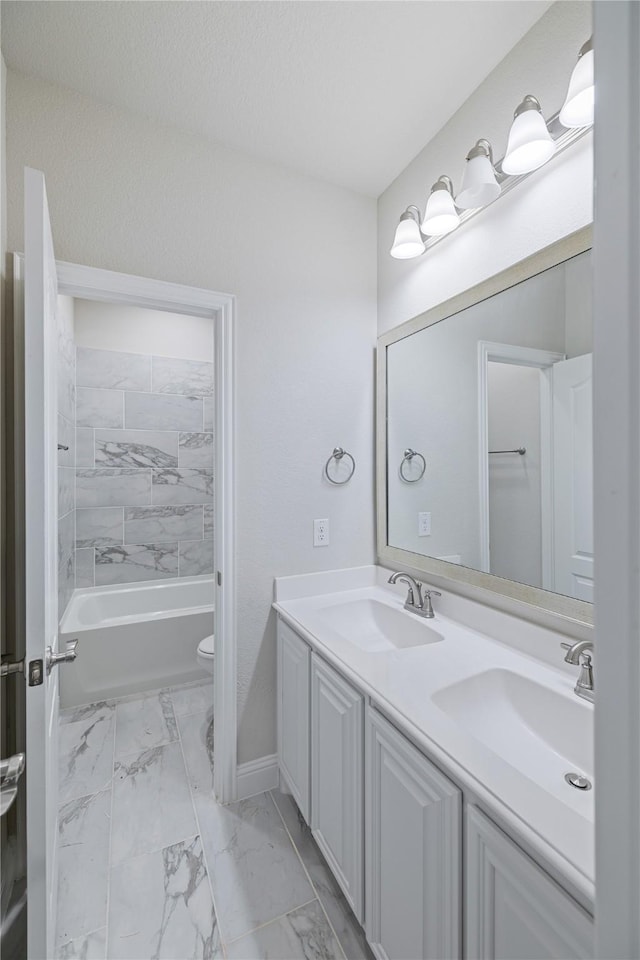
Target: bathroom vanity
<point>428,757</point>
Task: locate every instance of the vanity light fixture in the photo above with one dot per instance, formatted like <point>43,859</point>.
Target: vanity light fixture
<point>479,184</point>
<point>440,215</point>
<point>577,110</point>
<point>408,241</point>
<point>530,144</point>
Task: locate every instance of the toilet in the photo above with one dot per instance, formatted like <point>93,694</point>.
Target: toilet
<point>205,654</point>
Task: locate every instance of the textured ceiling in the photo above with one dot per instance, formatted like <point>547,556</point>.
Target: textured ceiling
<point>345,91</point>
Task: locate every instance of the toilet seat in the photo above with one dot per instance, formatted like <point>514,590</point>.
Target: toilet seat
<point>206,647</point>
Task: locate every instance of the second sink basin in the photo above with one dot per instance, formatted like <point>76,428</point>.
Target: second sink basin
<point>377,627</point>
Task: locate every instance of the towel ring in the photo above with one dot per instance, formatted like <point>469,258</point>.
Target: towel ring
<point>409,454</point>
<point>338,454</point>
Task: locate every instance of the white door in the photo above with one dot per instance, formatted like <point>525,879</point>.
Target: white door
<point>573,477</point>
<point>40,342</point>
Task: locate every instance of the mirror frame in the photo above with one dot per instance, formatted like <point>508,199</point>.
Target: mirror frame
<point>579,611</point>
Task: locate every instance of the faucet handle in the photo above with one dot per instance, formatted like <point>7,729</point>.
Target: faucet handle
<point>432,593</point>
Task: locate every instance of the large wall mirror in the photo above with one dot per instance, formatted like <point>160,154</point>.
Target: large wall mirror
<point>485,452</point>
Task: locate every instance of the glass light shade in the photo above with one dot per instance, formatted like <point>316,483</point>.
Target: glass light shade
<point>530,144</point>
<point>407,242</point>
<point>440,216</point>
<point>577,110</point>
<point>479,184</point>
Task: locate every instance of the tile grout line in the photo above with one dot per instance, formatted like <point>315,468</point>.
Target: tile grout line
<point>197,819</point>
<point>308,875</point>
<point>280,916</point>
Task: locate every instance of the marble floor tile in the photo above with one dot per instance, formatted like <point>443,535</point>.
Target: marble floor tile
<point>256,874</point>
<point>85,755</point>
<point>83,866</point>
<point>196,734</point>
<point>86,711</point>
<point>303,934</point>
<point>193,697</point>
<point>160,906</point>
<point>91,947</point>
<point>144,722</point>
<point>152,806</point>
<point>348,930</point>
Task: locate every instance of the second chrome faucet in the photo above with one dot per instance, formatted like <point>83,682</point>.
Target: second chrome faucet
<point>417,601</point>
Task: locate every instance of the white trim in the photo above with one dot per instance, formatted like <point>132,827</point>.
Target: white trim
<point>256,776</point>
<point>92,283</point>
<point>543,360</point>
<point>617,478</point>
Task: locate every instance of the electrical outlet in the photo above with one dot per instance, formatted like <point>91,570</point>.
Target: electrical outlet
<point>424,524</point>
<point>321,533</point>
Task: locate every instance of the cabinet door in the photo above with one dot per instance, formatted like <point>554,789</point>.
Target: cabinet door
<point>336,777</point>
<point>294,658</point>
<point>413,850</point>
<point>515,911</point>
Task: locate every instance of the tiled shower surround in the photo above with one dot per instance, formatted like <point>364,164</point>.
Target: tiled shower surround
<point>144,467</point>
<point>66,457</point>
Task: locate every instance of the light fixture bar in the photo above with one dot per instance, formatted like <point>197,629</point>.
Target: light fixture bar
<point>563,138</point>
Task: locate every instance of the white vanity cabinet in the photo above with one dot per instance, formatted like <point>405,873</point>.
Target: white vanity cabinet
<point>514,910</point>
<point>294,665</point>
<point>337,762</point>
<point>413,850</point>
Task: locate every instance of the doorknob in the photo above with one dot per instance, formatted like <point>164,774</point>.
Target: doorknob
<point>53,659</point>
<point>11,770</point>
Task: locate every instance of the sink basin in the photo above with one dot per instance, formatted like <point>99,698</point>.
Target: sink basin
<point>376,627</point>
<point>542,732</point>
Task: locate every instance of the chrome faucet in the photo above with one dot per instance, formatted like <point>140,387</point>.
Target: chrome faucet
<point>416,601</point>
<point>577,654</point>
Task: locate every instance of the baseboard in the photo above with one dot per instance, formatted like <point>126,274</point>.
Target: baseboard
<point>257,776</point>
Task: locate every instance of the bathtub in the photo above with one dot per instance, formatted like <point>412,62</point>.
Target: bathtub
<point>134,637</point>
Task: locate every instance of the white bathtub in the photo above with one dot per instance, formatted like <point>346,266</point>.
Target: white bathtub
<point>134,637</point>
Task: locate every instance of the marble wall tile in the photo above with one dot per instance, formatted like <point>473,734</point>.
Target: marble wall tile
<point>91,947</point>
<point>99,526</point>
<point>112,369</point>
<point>208,516</point>
<point>155,524</point>
<point>83,866</point>
<point>196,558</point>
<point>66,357</point>
<point>85,573</point>
<point>136,448</point>
<point>189,378</point>
<point>208,416</point>
<point>160,906</point>
<point>196,450</point>
<point>342,919</point>
<point>143,723</point>
<point>99,408</point>
<point>84,447</point>
<point>157,411</point>
<point>244,843</point>
<point>66,536</point>
<point>85,755</point>
<point>112,487</point>
<point>304,932</point>
<point>134,563</point>
<point>66,493</point>
<point>66,561</point>
<point>196,735</point>
<point>152,805</point>
<point>181,486</point>
<point>66,438</point>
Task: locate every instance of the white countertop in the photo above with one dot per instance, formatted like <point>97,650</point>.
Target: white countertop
<point>554,820</point>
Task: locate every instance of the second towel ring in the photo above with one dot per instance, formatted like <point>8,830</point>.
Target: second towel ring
<point>409,454</point>
<point>338,454</point>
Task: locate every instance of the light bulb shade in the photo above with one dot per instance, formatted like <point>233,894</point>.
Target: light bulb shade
<point>530,143</point>
<point>407,242</point>
<point>440,215</point>
<point>479,184</point>
<point>577,110</point>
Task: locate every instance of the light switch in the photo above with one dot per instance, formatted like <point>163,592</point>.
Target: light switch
<point>424,524</point>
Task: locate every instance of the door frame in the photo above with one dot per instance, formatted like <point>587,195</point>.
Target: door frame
<point>521,357</point>
<point>93,283</point>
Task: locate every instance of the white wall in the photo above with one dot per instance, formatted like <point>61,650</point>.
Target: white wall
<point>131,195</point>
<point>554,202</point>
<point>117,326</point>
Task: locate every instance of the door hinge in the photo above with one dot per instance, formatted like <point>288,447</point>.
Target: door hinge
<point>36,673</point>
